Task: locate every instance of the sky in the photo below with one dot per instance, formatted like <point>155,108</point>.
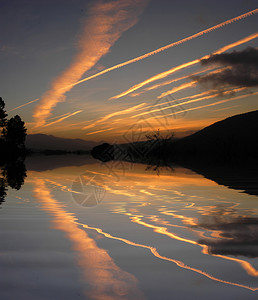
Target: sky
<point>68,68</point>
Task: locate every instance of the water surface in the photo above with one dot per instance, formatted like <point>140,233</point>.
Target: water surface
<point>79,229</point>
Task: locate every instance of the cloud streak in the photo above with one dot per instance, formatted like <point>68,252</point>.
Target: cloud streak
<point>230,92</point>
<point>210,29</point>
<point>207,105</point>
<point>105,24</point>
<point>25,104</point>
<point>183,66</point>
<point>116,113</point>
<point>63,118</point>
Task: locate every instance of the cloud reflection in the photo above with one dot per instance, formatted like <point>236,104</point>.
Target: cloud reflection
<point>107,280</point>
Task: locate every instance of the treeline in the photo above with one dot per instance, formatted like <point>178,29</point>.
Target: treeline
<point>12,134</point>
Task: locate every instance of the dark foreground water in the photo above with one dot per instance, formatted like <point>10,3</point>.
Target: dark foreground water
<point>79,229</point>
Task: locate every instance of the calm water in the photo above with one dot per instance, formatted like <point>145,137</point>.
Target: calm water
<point>79,229</point>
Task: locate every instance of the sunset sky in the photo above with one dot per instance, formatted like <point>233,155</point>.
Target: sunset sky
<point>48,48</point>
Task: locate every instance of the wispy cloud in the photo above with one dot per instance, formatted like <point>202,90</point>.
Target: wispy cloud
<point>106,22</point>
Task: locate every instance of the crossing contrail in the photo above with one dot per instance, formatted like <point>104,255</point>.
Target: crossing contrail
<point>116,113</point>
<point>236,90</point>
<point>69,86</point>
<point>188,84</point>
<point>185,65</point>
<point>63,118</point>
<point>210,29</point>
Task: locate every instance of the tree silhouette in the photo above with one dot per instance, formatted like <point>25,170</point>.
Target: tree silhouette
<point>3,113</point>
<point>3,116</point>
<point>15,132</point>
<point>12,135</point>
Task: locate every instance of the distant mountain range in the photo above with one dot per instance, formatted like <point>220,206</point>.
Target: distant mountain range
<point>39,142</point>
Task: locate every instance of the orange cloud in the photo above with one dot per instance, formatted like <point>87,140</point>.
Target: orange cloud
<point>106,23</point>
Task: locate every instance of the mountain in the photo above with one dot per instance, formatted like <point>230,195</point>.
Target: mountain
<point>39,142</point>
<point>234,137</point>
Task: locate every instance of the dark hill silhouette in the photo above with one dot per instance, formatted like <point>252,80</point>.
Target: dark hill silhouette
<point>39,142</point>
<point>233,138</point>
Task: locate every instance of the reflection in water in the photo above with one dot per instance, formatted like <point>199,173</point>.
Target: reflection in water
<point>150,186</point>
<point>164,231</point>
<point>177,262</point>
<point>107,280</point>
<point>234,235</point>
<point>178,217</point>
<point>3,190</point>
<point>12,174</point>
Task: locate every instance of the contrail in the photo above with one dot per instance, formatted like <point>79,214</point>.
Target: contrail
<point>56,117</point>
<point>63,118</point>
<point>107,21</point>
<point>207,105</point>
<point>187,102</point>
<point>185,65</point>
<point>141,107</point>
<point>99,131</point>
<point>69,86</point>
<point>169,46</point>
<point>189,84</point>
<point>178,88</point>
<point>156,86</point>
<point>121,112</point>
<point>24,104</point>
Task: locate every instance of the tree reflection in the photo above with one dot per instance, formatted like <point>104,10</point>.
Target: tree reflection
<point>13,174</point>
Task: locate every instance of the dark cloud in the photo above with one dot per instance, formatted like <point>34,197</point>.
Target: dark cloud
<point>242,71</point>
<point>238,236</point>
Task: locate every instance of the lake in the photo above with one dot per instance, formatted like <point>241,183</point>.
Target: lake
<point>81,229</point>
